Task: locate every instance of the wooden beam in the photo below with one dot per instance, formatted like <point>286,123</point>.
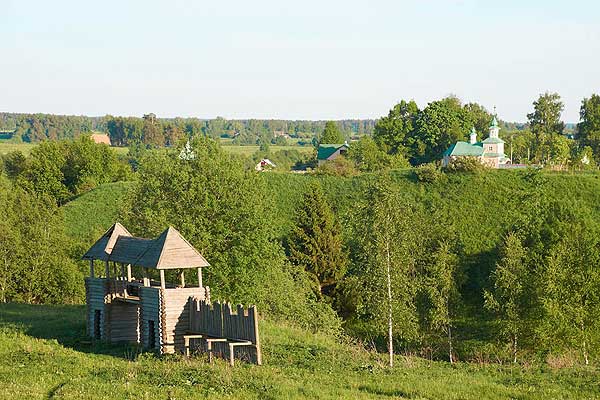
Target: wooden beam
<point>92,268</point>
<point>146,280</point>
<point>199,277</point>
<point>129,277</point>
<point>106,269</point>
<point>162,279</point>
<point>182,277</point>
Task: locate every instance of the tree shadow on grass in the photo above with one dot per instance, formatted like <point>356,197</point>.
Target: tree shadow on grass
<point>63,323</point>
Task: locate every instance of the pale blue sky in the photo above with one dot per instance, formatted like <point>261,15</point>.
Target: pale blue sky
<point>303,60</point>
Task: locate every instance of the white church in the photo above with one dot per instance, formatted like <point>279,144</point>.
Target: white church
<point>489,152</point>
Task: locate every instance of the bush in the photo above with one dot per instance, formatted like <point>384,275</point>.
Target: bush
<point>341,166</point>
<point>429,173</point>
<point>466,164</point>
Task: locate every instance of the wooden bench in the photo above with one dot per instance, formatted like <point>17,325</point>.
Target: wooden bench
<point>210,340</point>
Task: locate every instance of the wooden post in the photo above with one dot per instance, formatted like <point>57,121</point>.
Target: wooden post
<point>182,277</point>
<point>106,269</point>
<point>199,277</point>
<point>123,281</point>
<point>146,280</point>
<point>129,278</point>
<point>162,279</point>
<point>91,268</point>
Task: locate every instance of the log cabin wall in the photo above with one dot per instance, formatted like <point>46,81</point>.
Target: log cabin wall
<point>97,295</point>
<point>124,321</point>
<point>151,317</point>
<point>176,309</point>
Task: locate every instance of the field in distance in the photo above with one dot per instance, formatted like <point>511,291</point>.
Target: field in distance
<point>25,148</point>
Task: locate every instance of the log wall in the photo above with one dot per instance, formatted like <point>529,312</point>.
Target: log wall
<point>176,308</point>
<point>96,294</point>
<point>124,321</point>
<point>150,310</point>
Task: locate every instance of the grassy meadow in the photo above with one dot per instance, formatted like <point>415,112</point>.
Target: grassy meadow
<point>44,354</point>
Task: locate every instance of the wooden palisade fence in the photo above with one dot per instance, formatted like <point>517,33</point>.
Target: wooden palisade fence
<point>222,331</point>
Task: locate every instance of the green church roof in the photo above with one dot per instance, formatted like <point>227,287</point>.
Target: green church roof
<point>465,149</point>
<point>492,140</point>
<point>494,123</point>
<point>326,150</point>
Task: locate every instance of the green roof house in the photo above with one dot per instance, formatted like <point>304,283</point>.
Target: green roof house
<point>328,152</point>
<point>489,152</point>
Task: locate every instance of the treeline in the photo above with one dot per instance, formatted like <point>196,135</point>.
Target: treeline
<point>39,127</point>
<point>153,131</point>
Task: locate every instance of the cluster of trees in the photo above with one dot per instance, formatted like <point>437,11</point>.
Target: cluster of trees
<point>221,208</point>
<point>423,135</point>
<point>63,169</point>
<point>398,272</point>
<point>35,262</point>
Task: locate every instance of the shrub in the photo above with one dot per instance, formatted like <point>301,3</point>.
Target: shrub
<point>429,173</point>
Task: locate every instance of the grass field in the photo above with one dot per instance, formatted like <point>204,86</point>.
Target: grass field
<point>44,354</point>
<point>25,148</point>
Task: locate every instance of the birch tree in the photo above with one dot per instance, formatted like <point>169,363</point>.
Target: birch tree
<point>442,289</point>
<point>389,247</point>
<point>571,290</point>
<point>510,297</point>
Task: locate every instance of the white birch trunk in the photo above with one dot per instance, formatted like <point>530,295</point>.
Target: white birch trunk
<point>389,294</point>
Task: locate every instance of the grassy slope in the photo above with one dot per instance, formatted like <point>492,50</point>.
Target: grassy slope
<point>44,354</point>
<point>90,214</point>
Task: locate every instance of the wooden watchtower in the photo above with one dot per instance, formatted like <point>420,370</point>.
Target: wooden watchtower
<point>124,304</point>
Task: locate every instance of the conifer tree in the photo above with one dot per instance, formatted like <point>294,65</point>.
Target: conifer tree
<point>316,242</point>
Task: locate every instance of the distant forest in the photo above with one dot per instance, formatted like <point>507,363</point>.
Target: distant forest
<point>165,131</point>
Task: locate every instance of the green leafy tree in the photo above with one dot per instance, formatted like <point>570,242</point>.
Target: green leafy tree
<point>393,132</point>
<point>479,116</point>
<point>511,296</point>
<point>331,134</point>
<point>570,293</point>
<point>316,241</point>
<point>389,245</point>
<point>588,130</point>
<point>442,289</point>
<point>440,124</point>
<point>43,172</point>
<point>222,209</point>
<point>545,122</point>
<point>368,157</point>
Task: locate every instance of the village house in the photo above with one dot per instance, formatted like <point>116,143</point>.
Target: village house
<point>489,151</point>
<point>329,152</point>
<point>100,138</point>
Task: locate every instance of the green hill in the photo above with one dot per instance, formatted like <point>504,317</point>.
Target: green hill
<point>45,355</point>
<point>90,214</point>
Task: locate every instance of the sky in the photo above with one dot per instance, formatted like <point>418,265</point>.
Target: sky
<point>309,59</point>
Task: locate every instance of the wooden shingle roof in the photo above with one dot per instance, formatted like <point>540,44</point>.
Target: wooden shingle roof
<point>169,250</point>
<point>128,249</point>
<point>103,247</point>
